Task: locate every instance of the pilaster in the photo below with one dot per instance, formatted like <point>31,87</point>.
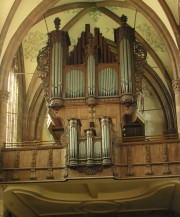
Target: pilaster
<point>4,95</point>
<point>176,88</point>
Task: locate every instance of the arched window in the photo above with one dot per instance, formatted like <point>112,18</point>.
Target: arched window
<point>16,89</point>
<point>12,109</point>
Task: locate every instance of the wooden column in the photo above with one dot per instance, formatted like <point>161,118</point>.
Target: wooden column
<point>176,87</point>
<point>4,95</point>
<point>1,201</point>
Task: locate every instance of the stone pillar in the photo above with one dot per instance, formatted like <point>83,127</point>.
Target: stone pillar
<point>3,112</point>
<point>3,115</point>
<point>176,87</point>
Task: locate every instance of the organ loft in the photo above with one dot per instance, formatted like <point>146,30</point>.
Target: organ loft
<point>93,93</point>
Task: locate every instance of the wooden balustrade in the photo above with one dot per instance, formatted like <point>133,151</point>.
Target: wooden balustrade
<point>38,162</point>
<point>33,161</point>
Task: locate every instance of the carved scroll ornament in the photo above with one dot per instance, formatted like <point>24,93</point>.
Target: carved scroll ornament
<point>43,69</point>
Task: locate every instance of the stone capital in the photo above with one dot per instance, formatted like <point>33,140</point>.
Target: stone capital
<point>176,84</point>
<point>4,95</point>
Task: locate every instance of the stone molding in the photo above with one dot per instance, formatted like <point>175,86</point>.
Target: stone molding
<point>176,84</point>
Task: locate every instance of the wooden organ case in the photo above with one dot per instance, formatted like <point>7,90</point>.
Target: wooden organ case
<point>92,92</point>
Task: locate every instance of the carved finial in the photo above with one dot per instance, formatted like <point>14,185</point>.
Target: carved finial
<point>123,20</point>
<point>57,23</point>
<point>90,38</point>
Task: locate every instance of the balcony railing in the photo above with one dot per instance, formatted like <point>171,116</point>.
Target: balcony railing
<point>134,157</point>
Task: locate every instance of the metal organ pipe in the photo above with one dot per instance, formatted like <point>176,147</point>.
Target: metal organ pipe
<point>125,37</point>
<point>108,82</point>
<point>53,66</point>
<point>125,66</point>
<point>57,67</point>
<point>89,134</point>
<point>74,84</point>
<point>73,141</point>
<point>97,151</point>
<point>82,151</point>
<point>106,140</point>
<point>129,62</point>
<point>91,75</point>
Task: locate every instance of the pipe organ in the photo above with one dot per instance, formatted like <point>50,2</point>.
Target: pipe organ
<point>89,149</point>
<point>74,125</point>
<point>92,87</point>
<point>59,42</point>
<point>125,37</point>
<point>108,82</point>
<point>91,69</point>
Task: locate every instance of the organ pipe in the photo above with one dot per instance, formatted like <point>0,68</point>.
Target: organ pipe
<point>106,140</point>
<point>60,42</point>
<point>82,151</point>
<point>57,68</point>
<point>91,75</point>
<point>125,39</point>
<point>97,151</point>
<point>74,126</point>
<point>74,84</point>
<point>125,67</point>
<point>89,134</point>
<point>108,82</point>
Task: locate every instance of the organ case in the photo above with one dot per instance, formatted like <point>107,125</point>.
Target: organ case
<point>97,73</point>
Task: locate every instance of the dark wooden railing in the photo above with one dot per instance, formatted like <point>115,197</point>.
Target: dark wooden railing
<point>143,157</point>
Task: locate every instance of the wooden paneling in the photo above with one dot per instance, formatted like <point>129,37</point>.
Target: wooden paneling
<point>152,158</point>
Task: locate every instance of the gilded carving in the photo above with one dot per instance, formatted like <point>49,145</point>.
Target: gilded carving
<point>65,137</point>
<point>140,51</point>
<point>43,69</point>
<point>140,62</point>
<point>165,158</point>
<point>50,165</point>
<point>92,170</point>
<point>125,31</point>
<point>148,159</point>
<point>33,165</point>
<point>56,103</point>
<point>91,101</point>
